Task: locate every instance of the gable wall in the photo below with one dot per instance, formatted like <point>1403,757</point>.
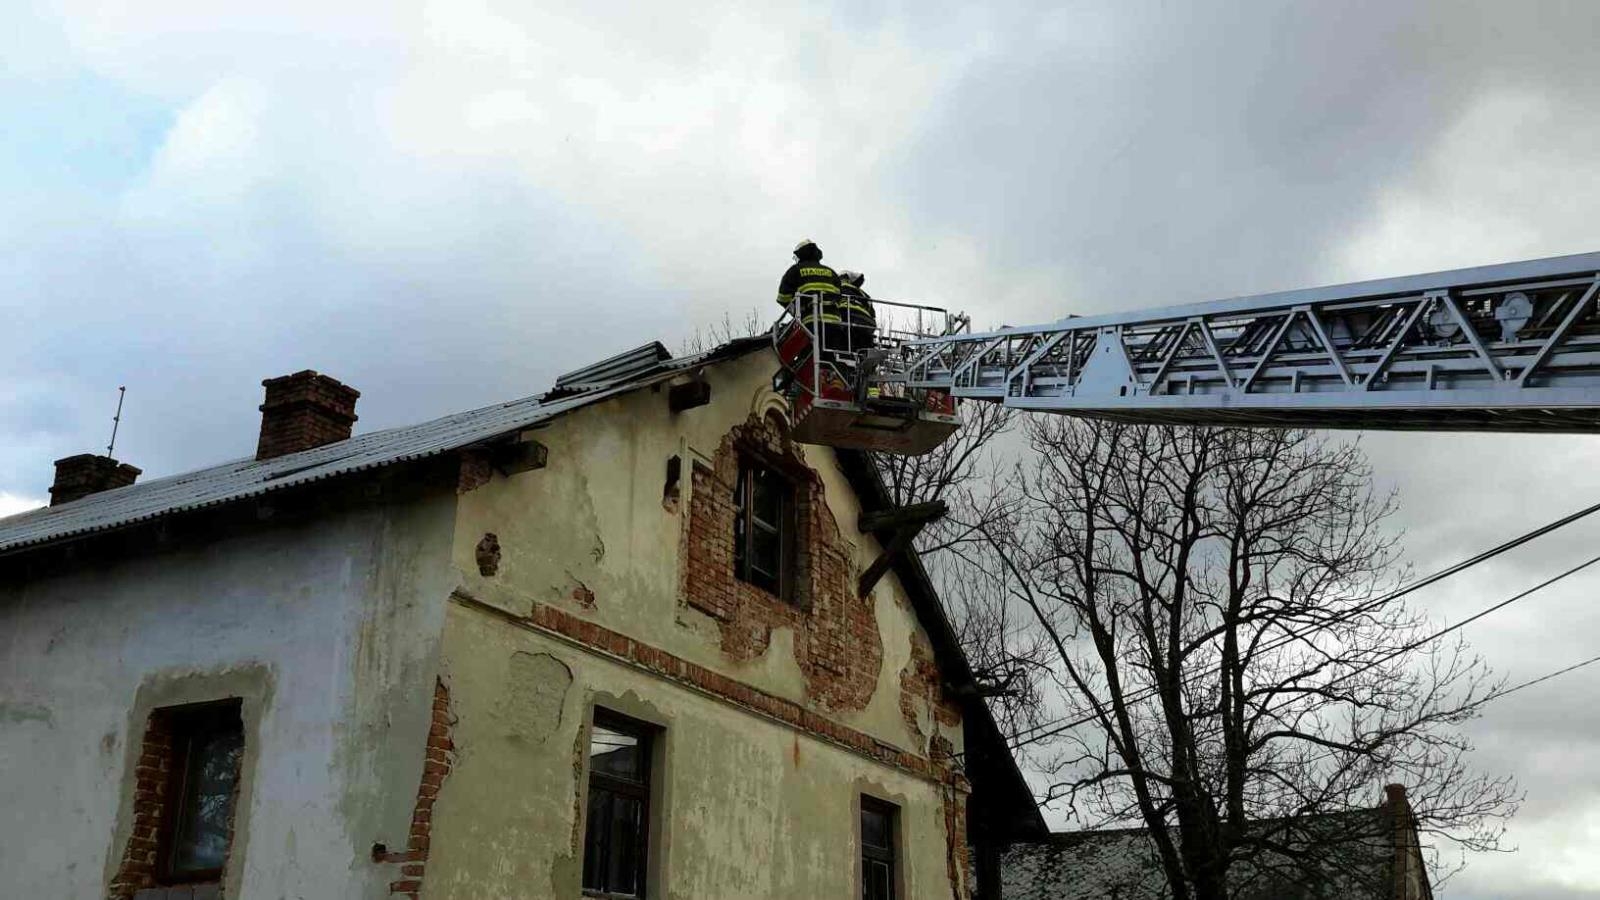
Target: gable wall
<point>611,590</point>
<point>594,534</point>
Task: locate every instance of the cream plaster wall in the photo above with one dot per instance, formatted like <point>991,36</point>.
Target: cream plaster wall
<point>747,807</point>
<point>593,522</point>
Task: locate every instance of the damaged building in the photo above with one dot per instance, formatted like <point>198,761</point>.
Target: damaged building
<point>622,639</point>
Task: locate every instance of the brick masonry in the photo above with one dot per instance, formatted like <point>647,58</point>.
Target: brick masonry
<point>958,862</point>
<point>837,643</point>
<point>304,410</point>
<point>85,474</point>
<point>436,766</point>
<point>152,779</point>
<point>920,681</point>
<point>138,874</point>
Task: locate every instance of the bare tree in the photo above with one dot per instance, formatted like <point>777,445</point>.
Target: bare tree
<point>708,337</point>
<point>1225,637</point>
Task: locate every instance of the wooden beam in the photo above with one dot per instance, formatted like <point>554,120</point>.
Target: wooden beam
<point>900,543</point>
<point>917,514</point>
<point>522,455</point>
<point>688,395</point>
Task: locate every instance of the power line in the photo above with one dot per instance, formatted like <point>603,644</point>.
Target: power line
<point>1047,730</point>
<point>1406,648</point>
<point>1533,681</point>
<point>1490,698</point>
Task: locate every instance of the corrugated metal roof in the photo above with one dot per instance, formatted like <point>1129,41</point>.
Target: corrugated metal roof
<point>635,363</point>
<point>1346,855</point>
<point>245,478</point>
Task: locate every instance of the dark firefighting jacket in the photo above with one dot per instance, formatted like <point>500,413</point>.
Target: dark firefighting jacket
<point>855,302</point>
<point>812,278</point>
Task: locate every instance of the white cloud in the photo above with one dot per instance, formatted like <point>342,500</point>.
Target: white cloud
<point>11,504</point>
<point>1550,852</point>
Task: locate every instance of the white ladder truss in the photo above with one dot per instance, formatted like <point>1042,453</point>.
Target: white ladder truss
<point>1513,347</point>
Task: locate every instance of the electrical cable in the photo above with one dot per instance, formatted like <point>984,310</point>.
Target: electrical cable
<point>1533,681</point>
<point>1047,730</point>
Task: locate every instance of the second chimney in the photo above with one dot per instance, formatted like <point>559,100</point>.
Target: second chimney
<point>85,474</point>
<point>302,411</point>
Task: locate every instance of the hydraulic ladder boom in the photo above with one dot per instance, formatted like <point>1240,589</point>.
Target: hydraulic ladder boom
<point>1513,347</point>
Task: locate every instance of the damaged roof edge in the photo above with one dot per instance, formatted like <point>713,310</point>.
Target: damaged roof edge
<point>993,763</point>
<point>244,479</point>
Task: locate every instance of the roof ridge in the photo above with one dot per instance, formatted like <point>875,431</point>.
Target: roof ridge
<point>244,477</point>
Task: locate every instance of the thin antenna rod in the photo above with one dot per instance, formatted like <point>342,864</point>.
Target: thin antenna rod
<point>116,420</point>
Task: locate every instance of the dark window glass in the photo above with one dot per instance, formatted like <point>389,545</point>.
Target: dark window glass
<point>763,530</point>
<point>877,849</point>
<point>618,828</point>
<point>208,745</point>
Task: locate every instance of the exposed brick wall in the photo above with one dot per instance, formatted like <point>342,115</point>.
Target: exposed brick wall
<point>152,779</point>
<point>436,766</point>
<point>475,471</point>
<point>837,645</point>
<point>158,764</point>
<point>958,861</point>
<point>920,684</point>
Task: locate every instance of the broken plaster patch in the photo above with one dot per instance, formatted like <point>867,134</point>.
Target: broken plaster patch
<point>535,694</point>
<point>488,555</point>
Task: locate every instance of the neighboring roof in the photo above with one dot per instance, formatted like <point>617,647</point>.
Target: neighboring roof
<point>996,780</point>
<point>1084,865</point>
<point>1347,855</point>
<point>245,478</point>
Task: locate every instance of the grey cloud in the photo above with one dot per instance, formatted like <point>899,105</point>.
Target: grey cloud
<point>1176,152</point>
<point>1023,161</point>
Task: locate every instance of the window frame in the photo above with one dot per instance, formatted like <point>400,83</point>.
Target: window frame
<point>888,856</point>
<point>648,736</point>
<point>747,522</point>
<point>185,724</point>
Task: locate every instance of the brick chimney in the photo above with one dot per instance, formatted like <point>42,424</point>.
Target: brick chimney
<point>85,474</point>
<point>302,411</point>
<point>1395,795</point>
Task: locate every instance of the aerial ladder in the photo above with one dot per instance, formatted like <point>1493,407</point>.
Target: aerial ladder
<point>1511,347</point>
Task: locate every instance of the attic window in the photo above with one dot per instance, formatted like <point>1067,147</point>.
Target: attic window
<point>764,527</point>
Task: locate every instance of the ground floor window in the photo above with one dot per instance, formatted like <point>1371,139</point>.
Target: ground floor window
<point>186,793</point>
<point>207,745</point>
<point>878,826</point>
<point>616,839</point>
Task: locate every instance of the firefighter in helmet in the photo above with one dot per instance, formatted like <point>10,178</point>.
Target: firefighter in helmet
<point>809,276</point>
<point>855,305</point>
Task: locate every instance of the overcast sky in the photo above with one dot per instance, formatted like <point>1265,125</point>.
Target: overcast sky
<point>446,204</point>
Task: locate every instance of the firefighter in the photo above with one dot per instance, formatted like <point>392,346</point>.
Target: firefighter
<point>855,306</point>
<point>808,275</point>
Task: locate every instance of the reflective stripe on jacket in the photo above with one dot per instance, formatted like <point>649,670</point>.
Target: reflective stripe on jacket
<point>857,304</point>
<point>812,278</point>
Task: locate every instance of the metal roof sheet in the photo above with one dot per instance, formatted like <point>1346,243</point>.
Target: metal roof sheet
<point>1344,854</point>
<point>245,478</point>
<point>635,363</point>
